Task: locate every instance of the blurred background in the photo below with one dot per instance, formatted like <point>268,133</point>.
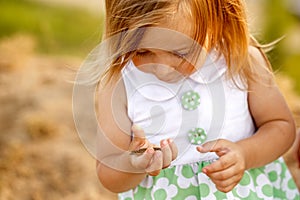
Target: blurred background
<point>42,42</point>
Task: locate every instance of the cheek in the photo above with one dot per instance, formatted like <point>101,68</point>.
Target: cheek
<point>186,69</point>
<point>139,61</point>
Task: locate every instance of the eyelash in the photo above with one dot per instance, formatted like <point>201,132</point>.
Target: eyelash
<point>143,53</point>
<point>180,55</point>
<point>147,53</point>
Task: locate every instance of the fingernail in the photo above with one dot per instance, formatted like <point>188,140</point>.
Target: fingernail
<point>200,148</point>
<point>151,150</point>
<point>164,143</point>
<point>170,141</point>
<point>204,170</point>
<point>224,152</point>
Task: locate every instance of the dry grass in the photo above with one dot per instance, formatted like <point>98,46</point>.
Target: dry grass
<point>41,155</point>
<point>15,51</point>
<point>38,126</point>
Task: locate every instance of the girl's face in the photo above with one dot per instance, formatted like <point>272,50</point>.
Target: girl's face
<point>169,51</point>
<point>166,66</point>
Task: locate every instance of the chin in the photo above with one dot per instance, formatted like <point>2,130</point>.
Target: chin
<point>171,80</point>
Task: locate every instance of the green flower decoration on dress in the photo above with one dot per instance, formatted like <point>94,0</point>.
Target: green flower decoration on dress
<point>197,136</point>
<point>190,100</point>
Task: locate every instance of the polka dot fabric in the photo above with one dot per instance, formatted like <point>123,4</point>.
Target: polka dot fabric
<point>197,136</point>
<point>187,182</point>
<point>190,100</point>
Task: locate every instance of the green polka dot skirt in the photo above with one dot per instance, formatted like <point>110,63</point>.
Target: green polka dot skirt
<point>187,182</point>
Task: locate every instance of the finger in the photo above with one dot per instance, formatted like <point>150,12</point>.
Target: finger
<point>166,153</point>
<point>173,148</point>
<point>229,173</point>
<point>207,147</point>
<point>154,173</point>
<point>226,185</point>
<point>142,161</point>
<point>219,165</point>
<point>139,139</point>
<point>228,182</point>
<point>217,146</point>
<point>227,188</point>
<point>156,162</point>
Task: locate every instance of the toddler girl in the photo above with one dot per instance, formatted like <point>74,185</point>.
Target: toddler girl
<point>188,107</point>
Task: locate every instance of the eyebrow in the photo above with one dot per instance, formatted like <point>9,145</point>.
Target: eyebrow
<point>183,44</point>
<point>185,50</point>
<point>176,51</point>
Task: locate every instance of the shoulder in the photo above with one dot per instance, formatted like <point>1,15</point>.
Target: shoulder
<point>260,68</point>
<point>265,100</point>
<point>111,90</point>
<point>263,78</point>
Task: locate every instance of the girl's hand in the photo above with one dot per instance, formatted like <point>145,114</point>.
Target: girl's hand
<point>151,161</point>
<point>229,169</point>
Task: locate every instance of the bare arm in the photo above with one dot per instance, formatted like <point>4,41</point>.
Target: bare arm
<point>118,169</point>
<point>275,134</point>
<point>115,140</point>
<point>276,127</point>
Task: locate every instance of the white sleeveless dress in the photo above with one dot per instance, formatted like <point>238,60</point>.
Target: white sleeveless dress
<point>203,107</point>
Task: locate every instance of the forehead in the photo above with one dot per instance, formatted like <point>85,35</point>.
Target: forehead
<point>165,39</point>
<point>173,33</point>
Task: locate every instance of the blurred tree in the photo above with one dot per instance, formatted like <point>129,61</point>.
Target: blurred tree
<point>277,23</point>
<point>57,29</point>
<point>294,7</point>
<point>282,20</point>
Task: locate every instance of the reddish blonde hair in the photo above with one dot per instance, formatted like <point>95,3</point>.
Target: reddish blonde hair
<point>221,24</point>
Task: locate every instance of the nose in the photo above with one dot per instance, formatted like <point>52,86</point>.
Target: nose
<point>167,73</point>
<point>168,60</point>
<point>164,70</point>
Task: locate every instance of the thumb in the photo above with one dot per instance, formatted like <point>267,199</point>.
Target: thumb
<point>217,146</point>
<point>138,138</point>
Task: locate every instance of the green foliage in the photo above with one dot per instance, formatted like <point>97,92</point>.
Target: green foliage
<point>73,31</point>
<point>278,19</point>
<point>57,29</point>
<point>292,68</point>
<point>279,22</point>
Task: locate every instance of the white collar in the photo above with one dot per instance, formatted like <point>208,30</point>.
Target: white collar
<point>150,87</point>
<point>213,69</point>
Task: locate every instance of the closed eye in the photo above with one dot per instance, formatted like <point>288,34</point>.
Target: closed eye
<point>180,55</point>
<point>143,52</point>
<point>146,52</point>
